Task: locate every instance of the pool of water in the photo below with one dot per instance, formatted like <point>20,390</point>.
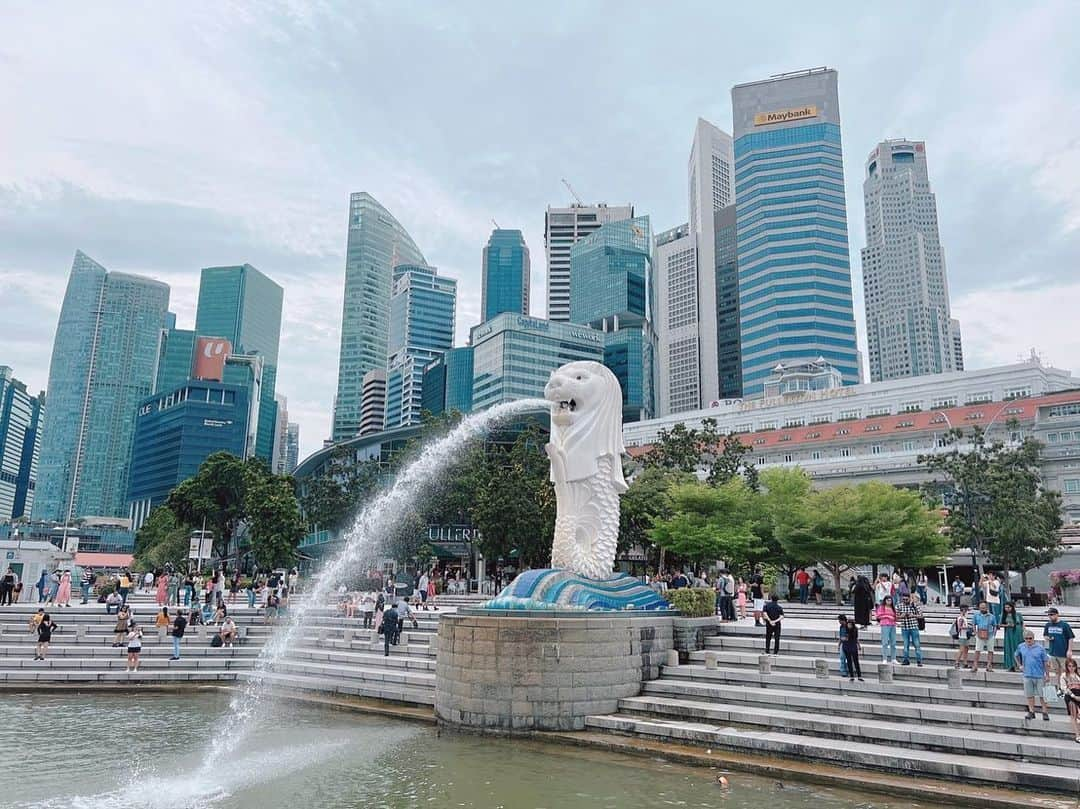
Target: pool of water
<point>149,750</point>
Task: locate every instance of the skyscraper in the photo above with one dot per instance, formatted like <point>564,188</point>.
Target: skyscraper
<point>292,447</point>
<point>564,227</point>
<point>448,382</point>
<point>104,363</point>
<point>909,331</point>
<point>728,338</point>
<point>611,291</point>
<point>281,436</point>
<point>376,244</point>
<point>678,359</point>
<point>373,402</point>
<point>176,355</point>
<point>422,307</point>
<point>243,306</point>
<point>505,286</point>
<point>20,444</point>
<point>795,300</point>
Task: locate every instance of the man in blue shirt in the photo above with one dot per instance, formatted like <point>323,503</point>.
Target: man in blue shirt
<point>1033,658</point>
<point>986,626</point>
<point>1060,635</point>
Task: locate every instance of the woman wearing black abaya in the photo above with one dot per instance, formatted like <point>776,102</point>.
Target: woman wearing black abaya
<point>864,601</point>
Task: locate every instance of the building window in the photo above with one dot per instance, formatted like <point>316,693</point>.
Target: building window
<point>1051,438</point>
<point>813,435</point>
<point>1072,486</point>
<point>979,398</point>
<point>1017,393</point>
<point>911,407</point>
<point>767,425</point>
<point>978,414</point>
<point>843,431</point>
<point>1072,409</point>
<point>949,401</point>
<point>787,458</point>
<point>816,455</point>
<point>845,452</point>
<point>820,418</point>
<point>879,411</point>
<point>761,460</point>
<point>909,446</point>
<point>873,428</point>
<point>941,441</point>
<point>905,424</point>
<point>1014,411</point>
<point>876,449</point>
<point>848,415</point>
<point>794,422</point>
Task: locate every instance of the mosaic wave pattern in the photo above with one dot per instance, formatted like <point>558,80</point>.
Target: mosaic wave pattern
<point>565,590</point>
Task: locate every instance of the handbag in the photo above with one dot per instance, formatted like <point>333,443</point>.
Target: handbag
<point>921,623</point>
<point>983,634</point>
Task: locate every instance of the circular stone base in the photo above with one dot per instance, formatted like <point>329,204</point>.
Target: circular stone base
<point>543,671</point>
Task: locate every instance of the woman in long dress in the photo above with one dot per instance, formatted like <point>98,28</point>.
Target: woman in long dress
<point>1013,623</point>
<point>864,601</point>
<point>162,590</point>
<point>63,593</point>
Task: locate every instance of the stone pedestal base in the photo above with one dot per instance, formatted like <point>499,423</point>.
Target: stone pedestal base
<point>543,671</point>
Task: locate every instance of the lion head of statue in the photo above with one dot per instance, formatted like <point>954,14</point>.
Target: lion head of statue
<point>586,418</point>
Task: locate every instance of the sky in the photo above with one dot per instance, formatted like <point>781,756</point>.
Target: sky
<point>163,138</point>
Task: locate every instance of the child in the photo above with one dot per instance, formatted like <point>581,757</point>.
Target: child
<point>850,647</point>
<point>134,646</point>
<point>741,599</point>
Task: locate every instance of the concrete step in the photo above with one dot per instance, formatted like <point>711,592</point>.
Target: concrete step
<point>844,701</point>
<point>973,694</point>
<point>933,647</point>
<point>860,729</point>
<point>11,654</point>
<point>396,660</point>
<point>1004,772</point>
<point>370,673</point>
<point>389,691</point>
<point>90,675</point>
<point>158,663</point>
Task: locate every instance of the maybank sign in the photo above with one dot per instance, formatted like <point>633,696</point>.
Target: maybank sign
<point>783,116</point>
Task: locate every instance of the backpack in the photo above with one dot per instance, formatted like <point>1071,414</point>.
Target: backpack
<point>954,630</point>
<point>215,641</point>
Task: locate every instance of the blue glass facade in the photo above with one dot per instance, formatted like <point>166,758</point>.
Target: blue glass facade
<point>505,286</point>
<point>448,382</point>
<point>177,353</point>
<point>728,339</point>
<point>175,431</point>
<point>514,355</point>
<point>20,442</point>
<point>793,268</point>
<point>611,291</point>
<point>104,363</point>
<point>422,308</point>
<point>244,306</point>
<point>376,244</point>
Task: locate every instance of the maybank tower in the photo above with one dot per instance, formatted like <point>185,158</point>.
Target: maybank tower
<point>794,273</point>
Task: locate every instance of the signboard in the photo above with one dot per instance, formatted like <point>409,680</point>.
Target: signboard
<point>784,116</point>
<point>200,548</point>
<point>453,533</point>
<point>210,356</point>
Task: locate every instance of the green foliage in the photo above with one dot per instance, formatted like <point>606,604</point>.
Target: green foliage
<point>644,502</point>
<point>869,523</point>
<point>274,521</point>
<point>678,449</point>
<point>215,493</point>
<point>710,522</point>
<point>685,449</point>
<point>161,540</point>
<point>997,503</point>
<point>693,602</point>
<point>332,499</point>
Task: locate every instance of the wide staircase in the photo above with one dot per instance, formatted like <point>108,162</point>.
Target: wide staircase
<point>331,655</point>
<point>920,722</point>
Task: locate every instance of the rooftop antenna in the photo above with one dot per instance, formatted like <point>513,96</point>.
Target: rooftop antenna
<point>496,224</point>
<point>573,193</point>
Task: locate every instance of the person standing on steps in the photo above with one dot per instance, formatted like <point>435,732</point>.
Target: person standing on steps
<point>7,586</point>
<point>863,601</point>
<point>1012,624</point>
<point>802,581</point>
<point>986,627</point>
<point>843,621</point>
<point>961,632</point>
<point>1033,659</point>
<point>957,594</point>
<point>740,600</point>
<point>885,615</point>
<point>1060,635</point>
<point>43,580</point>
<point>774,614</point>
<point>389,628</point>
<point>849,646</point>
<point>179,626</point>
<point>817,586</point>
<point>909,616</point>
<point>134,646</point>
<point>922,583</point>
<point>86,583</point>
<point>757,594</point>
<point>45,629</point>
<point>1069,685</point>
<point>124,585</point>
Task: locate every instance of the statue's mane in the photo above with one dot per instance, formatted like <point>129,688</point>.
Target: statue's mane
<point>596,431</point>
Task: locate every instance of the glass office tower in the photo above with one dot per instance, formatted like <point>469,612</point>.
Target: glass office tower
<point>505,282</point>
<point>104,363</point>
<point>376,244</point>
<point>174,361</point>
<point>20,445</point>
<point>610,291</point>
<point>244,306</point>
<point>448,382</point>
<point>794,272</point>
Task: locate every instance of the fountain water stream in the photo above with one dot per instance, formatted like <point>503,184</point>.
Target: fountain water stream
<point>362,542</point>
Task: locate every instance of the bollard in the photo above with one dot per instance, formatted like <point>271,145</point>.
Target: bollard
<point>821,669</point>
<point>885,672</point>
<point>764,664</point>
<point>712,660</point>
<point>672,658</point>
<point>956,678</point>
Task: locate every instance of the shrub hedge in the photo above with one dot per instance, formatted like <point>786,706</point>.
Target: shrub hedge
<point>693,602</point>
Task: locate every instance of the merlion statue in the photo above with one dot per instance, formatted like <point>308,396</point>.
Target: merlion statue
<point>586,467</point>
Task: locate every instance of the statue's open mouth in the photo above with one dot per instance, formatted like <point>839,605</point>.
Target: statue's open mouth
<point>568,404</point>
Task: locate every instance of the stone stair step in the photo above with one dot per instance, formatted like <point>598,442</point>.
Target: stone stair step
<point>374,690</point>
<point>1004,772</point>
<point>859,729</point>
<point>369,673</point>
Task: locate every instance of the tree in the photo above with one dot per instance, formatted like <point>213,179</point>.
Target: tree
<point>332,499</point>
<point>678,448</point>
<point>710,522</point>
<point>726,456</point>
<point>783,499</point>
<point>216,494</point>
<point>274,520</point>
<point>514,501</point>
<point>162,540</point>
<point>851,525</point>
<point>645,501</point>
<point>997,504</point>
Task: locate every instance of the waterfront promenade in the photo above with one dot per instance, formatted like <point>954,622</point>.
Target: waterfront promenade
<point>931,722</point>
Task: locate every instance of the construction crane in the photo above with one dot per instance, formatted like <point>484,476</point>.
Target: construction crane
<point>496,224</point>
<point>573,193</point>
